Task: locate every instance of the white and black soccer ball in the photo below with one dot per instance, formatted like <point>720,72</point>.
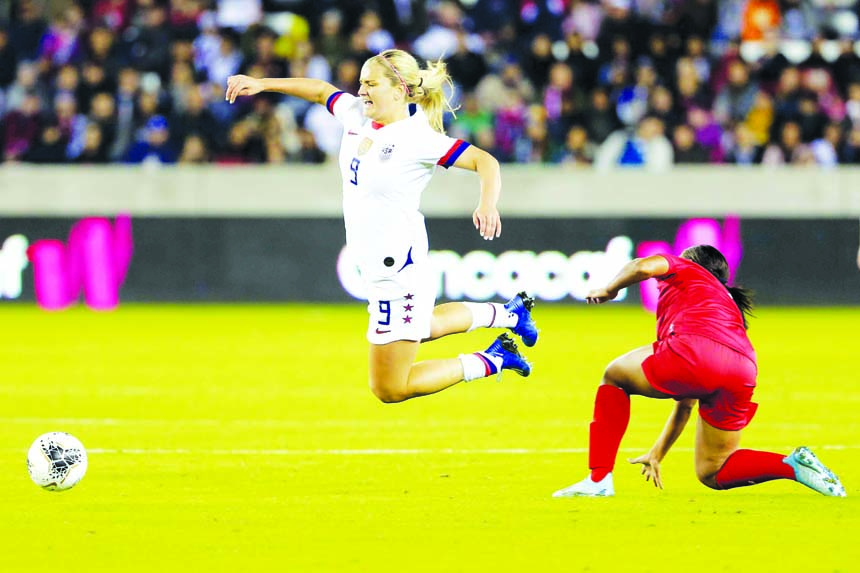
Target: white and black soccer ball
<point>57,461</point>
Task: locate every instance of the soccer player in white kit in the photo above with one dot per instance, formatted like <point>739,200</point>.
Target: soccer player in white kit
<point>393,140</point>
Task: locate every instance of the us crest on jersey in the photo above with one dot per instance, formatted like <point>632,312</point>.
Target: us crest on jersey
<point>364,146</point>
<point>386,151</point>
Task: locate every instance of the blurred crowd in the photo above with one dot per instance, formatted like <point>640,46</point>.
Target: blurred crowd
<point>586,82</point>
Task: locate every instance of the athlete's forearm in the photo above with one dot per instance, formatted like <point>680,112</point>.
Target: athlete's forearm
<point>637,271</point>
<point>309,89</point>
<point>491,179</point>
<point>673,428</point>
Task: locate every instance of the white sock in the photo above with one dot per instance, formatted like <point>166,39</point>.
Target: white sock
<point>490,315</point>
<point>479,365</point>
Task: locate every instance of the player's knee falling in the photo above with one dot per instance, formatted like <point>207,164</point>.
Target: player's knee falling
<point>388,393</point>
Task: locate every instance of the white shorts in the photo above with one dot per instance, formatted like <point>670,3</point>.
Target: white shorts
<point>401,308</point>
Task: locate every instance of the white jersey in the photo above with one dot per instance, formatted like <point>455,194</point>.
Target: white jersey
<point>385,169</point>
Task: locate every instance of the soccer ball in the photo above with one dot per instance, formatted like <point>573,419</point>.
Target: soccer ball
<point>57,461</point>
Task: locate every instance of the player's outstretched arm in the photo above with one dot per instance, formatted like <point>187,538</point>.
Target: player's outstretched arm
<point>486,217</point>
<point>312,90</point>
<point>633,272</point>
<point>671,431</point>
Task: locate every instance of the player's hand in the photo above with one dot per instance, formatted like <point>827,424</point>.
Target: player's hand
<point>600,295</point>
<point>650,468</point>
<point>242,86</point>
<point>488,222</point>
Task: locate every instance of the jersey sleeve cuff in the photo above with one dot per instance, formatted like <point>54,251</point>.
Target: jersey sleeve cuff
<point>453,154</point>
<point>332,99</point>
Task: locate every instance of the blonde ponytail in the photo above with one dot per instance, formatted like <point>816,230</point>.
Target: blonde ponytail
<point>425,87</point>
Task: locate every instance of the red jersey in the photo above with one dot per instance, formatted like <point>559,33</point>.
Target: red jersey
<point>693,301</point>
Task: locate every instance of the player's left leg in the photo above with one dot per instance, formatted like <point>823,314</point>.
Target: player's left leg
<point>394,377</point>
<point>720,464</point>
<point>457,317</point>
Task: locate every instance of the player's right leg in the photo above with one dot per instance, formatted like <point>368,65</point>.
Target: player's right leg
<point>457,317</point>
<point>623,377</point>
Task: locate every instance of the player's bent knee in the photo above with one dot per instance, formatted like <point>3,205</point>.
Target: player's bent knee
<point>387,393</point>
<point>707,474</point>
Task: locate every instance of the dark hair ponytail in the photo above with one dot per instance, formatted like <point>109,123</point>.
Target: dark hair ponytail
<point>744,299</point>
<point>715,263</point>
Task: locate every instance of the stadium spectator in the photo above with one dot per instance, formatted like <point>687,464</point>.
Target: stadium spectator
<point>61,43</point>
<point>308,151</point>
<point>26,82</point>
<point>72,123</point>
<point>473,123</point>
<point>846,68</point>
<point>114,14</point>
<point>27,32</point>
<point>103,51</point>
<point>49,146</point>
<point>194,151</point>
<point>735,99</point>
<point>496,90</point>
<point>8,60</point>
<point>759,120</point>
<point>95,149</point>
<point>789,149</point>
<point>810,118</point>
<point>852,104</point>
<point>743,148</point>
<point>850,152</point>
<point>826,148</point>
<point>584,67</point>
<point>155,147</point>
<point>465,66</point>
<point>578,150</point>
<point>331,43</point>
<point>646,147</point>
<point>759,18</point>
<point>600,117</point>
<point>538,61</point>
<point>193,117</point>
<point>103,114</point>
<point>583,20</point>
<point>662,105</point>
<point>686,148</point>
<point>21,127</point>
<point>702,354</point>
<point>563,102</point>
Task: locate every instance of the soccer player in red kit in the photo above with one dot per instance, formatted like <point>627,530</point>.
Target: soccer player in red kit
<point>703,354</point>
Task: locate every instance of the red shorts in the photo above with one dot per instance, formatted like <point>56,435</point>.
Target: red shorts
<point>722,379</point>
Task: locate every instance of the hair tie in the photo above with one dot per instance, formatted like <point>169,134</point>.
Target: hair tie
<point>420,81</point>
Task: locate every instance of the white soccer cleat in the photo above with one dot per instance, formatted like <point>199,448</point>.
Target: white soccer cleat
<point>588,488</point>
<point>813,474</point>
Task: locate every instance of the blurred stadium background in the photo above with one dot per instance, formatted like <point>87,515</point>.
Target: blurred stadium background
<point>223,396</point>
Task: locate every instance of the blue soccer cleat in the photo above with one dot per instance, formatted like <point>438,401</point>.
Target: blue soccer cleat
<point>505,348</point>
<point>813,474</point>
<point>521,306</point>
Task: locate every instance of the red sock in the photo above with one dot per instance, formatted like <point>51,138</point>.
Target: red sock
<point>749,467</point>
<point>611,414</point>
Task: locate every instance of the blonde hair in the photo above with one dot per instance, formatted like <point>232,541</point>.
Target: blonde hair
<point>426,87</point>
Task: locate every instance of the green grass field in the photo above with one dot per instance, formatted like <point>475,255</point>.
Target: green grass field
<point>244,438</point>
